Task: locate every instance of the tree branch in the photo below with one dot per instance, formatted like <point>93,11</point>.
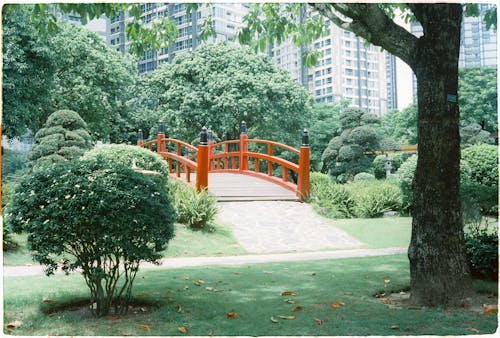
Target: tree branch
<point>371,23</point>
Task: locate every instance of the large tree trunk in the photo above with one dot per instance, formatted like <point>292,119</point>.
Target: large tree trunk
<point>438,267</point>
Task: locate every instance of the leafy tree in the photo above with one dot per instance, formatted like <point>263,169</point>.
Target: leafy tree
<point>474,134</point>
<point>103,220</point>
<point>346,155</point>
<point>219,85</point>
<point>71,69</point>
<point>323,126</point>
<point>438,267</point>
<point>401,125</point>
<point>478,96</point>
<point>64,137</point>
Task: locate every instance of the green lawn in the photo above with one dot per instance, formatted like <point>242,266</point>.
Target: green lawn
<point>253,292</point>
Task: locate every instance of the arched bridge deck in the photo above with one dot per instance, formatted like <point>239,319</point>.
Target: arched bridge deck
<point>237,170</point>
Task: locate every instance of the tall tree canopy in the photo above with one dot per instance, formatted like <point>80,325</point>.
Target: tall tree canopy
<point>219,85</point>
<point>70,69</point>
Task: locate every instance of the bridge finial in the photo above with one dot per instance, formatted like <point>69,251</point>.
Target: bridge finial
<point>305,137</point>
<point>161,127</point>
<point>243,129</point>
<point>204,136</point>
<point>139,135</point>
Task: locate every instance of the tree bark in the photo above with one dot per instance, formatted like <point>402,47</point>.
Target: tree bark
<point>438,266</point>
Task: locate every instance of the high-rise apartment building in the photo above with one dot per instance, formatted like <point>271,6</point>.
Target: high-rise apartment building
<point>348,69</point>
<point>227,19</point>
<point>478,45</point>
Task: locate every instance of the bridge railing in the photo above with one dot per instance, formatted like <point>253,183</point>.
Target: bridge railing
<point>219,157</point>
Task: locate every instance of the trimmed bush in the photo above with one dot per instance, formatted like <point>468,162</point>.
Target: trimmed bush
<point>482,253</point>
<point>374,198</point>
<point>406,173</point>
<point>195,209</point>
<point>331,199</point>
<point>97,218</point>
<point>63,137</point>
<point>363,177</point>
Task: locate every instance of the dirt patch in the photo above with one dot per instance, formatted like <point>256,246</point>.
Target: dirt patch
<point>479,303</point>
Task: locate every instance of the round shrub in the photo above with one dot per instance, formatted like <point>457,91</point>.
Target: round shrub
<point>63,137</point>
<point>363,177</point>
<point>97,218</point>
<point>379,165</point>
<point>126,155</point>
<point>482,254</point>
<point>406,172</point>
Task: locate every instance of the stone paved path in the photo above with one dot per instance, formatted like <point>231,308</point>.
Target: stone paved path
<point>279,226</point>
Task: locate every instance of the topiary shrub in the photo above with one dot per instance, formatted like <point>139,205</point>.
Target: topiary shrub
<point>378,165</point>
<point>406,172</point>
<point>374,198</point>
<point>330,199</point>
<point>482,252</point>
<point>482,183</point>
<point>63,137</point>
<point>103,220</point>
<point>127,155</point>
<point>363,177</point>
<point>195,209</point>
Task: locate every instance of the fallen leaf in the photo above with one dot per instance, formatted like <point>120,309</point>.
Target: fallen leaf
<point>472,329</point>
<point>198,282</point>
<point>489,309</point>
<point>287,317</point>
<point>143,309</point>
<point>385,301</point>
<point>209,288</point>
<point>185,278</point>
<point>112,317</point>
<point>288,293</point>
<point>337,305</point>
<point>141,295</point>
<point>274,320</point>
<point>318,321</point>
<point>387,281</point>
<point>144,327</point>
<point>47,300</point>
<point>182,329</point>
<point>219,282</point>
<point>231,315</point>
<point>290,301</point>
<point>178,308</point>
<point>186,287</point>
<point>298,308</point>
<point>394,327</point>
<point>313,274</point>
<point>210,334</point>
<point>14,324</point>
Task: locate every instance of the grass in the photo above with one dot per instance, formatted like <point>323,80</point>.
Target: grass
<point>253,292</point>
<point>186,243</point>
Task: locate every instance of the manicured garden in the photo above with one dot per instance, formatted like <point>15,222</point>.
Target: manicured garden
<point>331,297</point>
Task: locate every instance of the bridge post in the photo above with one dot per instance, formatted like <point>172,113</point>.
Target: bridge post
<point>303,182</point>
<point>243,147</point>
<point>140,138</point>
<point>210,150</point>
<point>202,170</point>
<point>160,145</point>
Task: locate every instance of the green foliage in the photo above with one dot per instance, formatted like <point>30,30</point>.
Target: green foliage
<point>482,252</point>
<point>219,86</point>
<point>401,125</point>
<point>379,165</point>
<point>64,137</point>
<point>12,161</point>
<point>363,177</point>
<point>374,198</point>
<point>100,219</point>
<point>195,209</point>
<point>406,173</point>
<point>331,199</point>
<point>478,97</point>
<point>474,134</point>
<point>483,161</point>
<point>71,68</point>
<point>346,155</point>
<point>7,191</point>
<point>127,155</point>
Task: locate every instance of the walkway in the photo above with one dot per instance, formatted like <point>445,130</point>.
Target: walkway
<point>238,187</point>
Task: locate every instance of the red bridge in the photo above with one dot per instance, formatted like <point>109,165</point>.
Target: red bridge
<point>242,169</point>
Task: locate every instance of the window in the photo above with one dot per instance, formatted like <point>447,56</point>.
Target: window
<point>318,92</point>
<point>317,83</point>
<point>329,80</point>
<point>328,51</point>
<point>328,42</point>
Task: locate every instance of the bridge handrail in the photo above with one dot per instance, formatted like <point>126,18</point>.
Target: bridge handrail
<point>273,143</point>
<point>274,159</point>
<point>181,159</point>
